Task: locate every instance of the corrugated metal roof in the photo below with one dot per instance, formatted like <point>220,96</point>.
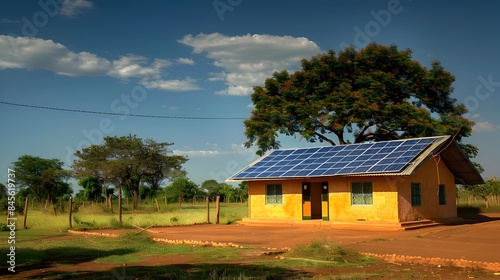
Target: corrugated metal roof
<point>443,146</point>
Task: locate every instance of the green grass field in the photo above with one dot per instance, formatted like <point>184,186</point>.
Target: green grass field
<point>98,216</point>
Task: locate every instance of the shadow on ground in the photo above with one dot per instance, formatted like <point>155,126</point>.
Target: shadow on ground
<point>184,271</point>
<point>36,259</point>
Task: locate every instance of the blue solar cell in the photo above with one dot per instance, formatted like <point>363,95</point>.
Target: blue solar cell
<point>364,157</point>
<point>309,161</point>
<point>313,166</point>
<point>289,174</point>
<point>298,152</point>
<point>395,154</point>
<point>273,168</point>
<point>371,152</point>
<point>386,150</point>
<point>317,172</point>
<point>265,174</point>
<point>349,158</point>
<point>361,169</point>
<point>286,152</point>
<point>303,173</point>
<point>388,156</point>
<point>370,162</point>
<point>379,145</point>
<point>377,168</point>
<point>356,152</point>
<point>395,167</point>
<point>347,170</point>
<point>393,144</point>
<point>426,140</point>
<point>302,156</point>
<point>378,156</point>
<point>339,165</point>
<point>354,164</point>
<point>387,161</point>
<point>327,165</point>
<point>333,171</point>
<point>403,159</point>
<point>413,153</point>
<point>343,153</point>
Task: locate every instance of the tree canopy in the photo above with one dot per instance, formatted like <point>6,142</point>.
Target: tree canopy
<point>44,178</point>
<point>376,93</point>
<point>128,161</point>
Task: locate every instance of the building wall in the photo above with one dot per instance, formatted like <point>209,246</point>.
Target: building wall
<point>292,200</point>
<point>384,206</point>
<point>391,197</point>
<point>430,175</point>
<point>385,200</point>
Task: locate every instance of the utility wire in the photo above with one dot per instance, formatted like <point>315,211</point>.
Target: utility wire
<point>118,114</point>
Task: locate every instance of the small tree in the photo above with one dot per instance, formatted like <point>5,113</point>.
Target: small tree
<point>485,191</point>
<point>212,188</point>
<point>227,191</point>
<point>181,188</point>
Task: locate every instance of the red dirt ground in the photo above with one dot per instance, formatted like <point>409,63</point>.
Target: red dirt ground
<point>472,246</point>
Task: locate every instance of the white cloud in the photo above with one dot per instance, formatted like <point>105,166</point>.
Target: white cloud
<point>183,60</point>
<point>71,8</point>
<point>214,151</point>
<point>198,153</point>
<point>35,53</point>
<point>187,84</point>
<point>483,127</point>
<point>248,60</point>
<point>475,116</point>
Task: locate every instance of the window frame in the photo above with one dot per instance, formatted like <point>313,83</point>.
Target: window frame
<point>366,194</point>
<point>441,194</point>
<point>416,196</point>
<point>273,196</point>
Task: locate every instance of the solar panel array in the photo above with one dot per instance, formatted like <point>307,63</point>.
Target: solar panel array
<point>373,157</point>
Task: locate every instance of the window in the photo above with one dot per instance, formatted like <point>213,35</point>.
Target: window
<point>416,197</point>
<point>274,194</point>
<point>362,193</point>
<point>442,195</point>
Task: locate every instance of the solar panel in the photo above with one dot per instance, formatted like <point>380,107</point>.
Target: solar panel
<point>364,158</point>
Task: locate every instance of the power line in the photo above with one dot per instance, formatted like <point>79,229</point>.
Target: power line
<point>119,114</point>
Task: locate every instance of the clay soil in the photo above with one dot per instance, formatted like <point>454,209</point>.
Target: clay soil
<point>473,245</point>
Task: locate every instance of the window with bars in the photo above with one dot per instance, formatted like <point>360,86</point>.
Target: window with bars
<point>362,193</point>
<point>442,195</point>
<point>416,196</point>
<point>274,194</point>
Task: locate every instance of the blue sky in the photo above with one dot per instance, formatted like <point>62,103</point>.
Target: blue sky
<point>201,58</point>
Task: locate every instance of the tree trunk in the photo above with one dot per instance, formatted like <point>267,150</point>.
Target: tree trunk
<point>180,201</point>
<point>120,205</point>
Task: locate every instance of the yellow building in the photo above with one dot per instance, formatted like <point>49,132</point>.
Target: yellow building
<point>391,181</point>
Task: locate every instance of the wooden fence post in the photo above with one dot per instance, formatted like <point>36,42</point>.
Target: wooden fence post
<point>111,203</point>
<point>217,209</point>
<point>25,211</point>
<point>208,209</point>
<point>70,212</point>
<point>120,205</point>
<point>157,205</point>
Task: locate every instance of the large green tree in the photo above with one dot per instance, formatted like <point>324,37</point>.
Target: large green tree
<point>376,93</point>
<point>92,188</point>
<point>128,161</point>
<point>44,178</point>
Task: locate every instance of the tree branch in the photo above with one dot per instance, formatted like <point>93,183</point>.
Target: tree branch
<point>326,139</point>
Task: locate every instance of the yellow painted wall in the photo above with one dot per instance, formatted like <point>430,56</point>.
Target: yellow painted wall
<point>292,200</point>
<point>384,206</point>
<point>427,176</point>
<point>386,198</point>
